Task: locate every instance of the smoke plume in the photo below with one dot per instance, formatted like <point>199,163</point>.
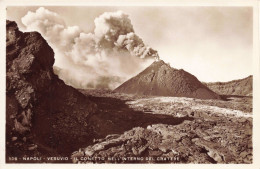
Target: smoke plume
<point>103,59</point>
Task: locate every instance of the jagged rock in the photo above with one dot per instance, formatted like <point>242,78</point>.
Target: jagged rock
<point>209,138</point>
<point>134,142</point>
<point>20,128</point>
<point>32,147</point>
<point>37,99</point>
<point>14,138</point>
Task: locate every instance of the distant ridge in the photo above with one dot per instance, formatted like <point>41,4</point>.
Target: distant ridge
<point>159,79</point>
<point>240,87</point>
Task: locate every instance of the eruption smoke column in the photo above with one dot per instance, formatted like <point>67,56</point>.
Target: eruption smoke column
<point>135,46</point>
<point>93,60</point>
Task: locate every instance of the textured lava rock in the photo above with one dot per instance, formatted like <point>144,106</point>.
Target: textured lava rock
<point>151,136</point>
<point>241,87</point>
<point>40,108</point>
<point>159,79</point>
<point>141,145</point>
<point>116,148</point>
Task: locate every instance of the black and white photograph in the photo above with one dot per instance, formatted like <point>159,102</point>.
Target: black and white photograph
<point>129,84</point>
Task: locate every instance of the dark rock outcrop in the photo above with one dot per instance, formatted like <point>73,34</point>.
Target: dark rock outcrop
<point>40,109</point>
<point>159,79</point>
<point>241,87</point>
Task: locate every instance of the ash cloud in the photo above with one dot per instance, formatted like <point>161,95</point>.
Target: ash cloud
<point>103,59</point>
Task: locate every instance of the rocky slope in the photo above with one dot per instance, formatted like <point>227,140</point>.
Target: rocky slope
<point>159,79</point>
<point>170,130</point>
<point>241,87</point>
<point>40,108</point>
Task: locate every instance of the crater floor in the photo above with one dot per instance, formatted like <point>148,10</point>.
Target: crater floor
<point>146,129</point>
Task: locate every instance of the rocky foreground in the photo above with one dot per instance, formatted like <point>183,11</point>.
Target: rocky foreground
<point>40,108</point>
<point>170,130</point>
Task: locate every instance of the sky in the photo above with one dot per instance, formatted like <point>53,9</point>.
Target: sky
<point>212,43</point>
